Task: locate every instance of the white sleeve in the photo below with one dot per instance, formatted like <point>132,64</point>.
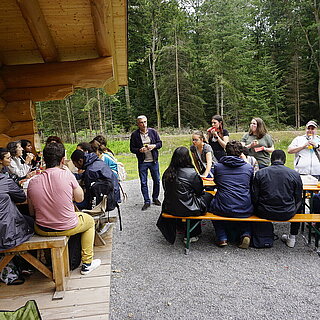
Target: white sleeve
<point>19,169</point>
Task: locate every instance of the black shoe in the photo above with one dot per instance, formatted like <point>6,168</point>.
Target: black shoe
<point>145,206</point>
<point>157,202</point>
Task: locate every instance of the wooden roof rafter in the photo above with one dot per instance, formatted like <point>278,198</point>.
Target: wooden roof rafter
<point>31,12</point>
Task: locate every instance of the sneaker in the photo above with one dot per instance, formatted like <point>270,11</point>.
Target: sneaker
<point>145,206</point>
<point>157,202</point>
<point>86,268</point>
<point>192,239</point>
<point>289,240</point>
<point>245,242</point>
<point>222,243</point>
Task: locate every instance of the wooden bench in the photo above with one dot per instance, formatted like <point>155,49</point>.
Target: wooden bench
<point>309,218</point>
<point>59,255</point>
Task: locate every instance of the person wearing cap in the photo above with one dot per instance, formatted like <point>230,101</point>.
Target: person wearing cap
<point>304,148</point>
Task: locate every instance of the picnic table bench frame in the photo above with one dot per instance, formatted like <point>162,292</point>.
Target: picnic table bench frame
<point>300,217</point>
<point>59,256</point>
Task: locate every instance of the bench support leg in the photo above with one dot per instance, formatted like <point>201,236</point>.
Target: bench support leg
<point>37,264</point>
<point>5,260</point>
<point>58,257</point>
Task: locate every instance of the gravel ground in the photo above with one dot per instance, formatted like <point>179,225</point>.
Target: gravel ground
<point>152,279</point>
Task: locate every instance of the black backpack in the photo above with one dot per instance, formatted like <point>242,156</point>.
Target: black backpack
<point>262,235</point>
<point>98,191</point>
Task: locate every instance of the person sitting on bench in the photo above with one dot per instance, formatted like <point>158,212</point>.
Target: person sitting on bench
<point>277,194</point>
<point>233,177</point>
<point>50,197</point>
<point>93,169</point>
<point>183,194</point>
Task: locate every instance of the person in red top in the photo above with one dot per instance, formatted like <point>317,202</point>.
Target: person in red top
<point>50,198</point>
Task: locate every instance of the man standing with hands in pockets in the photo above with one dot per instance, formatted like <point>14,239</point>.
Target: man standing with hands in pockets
<point>144,143</point>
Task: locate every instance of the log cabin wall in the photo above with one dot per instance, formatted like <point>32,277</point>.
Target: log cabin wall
<point>50,48</point>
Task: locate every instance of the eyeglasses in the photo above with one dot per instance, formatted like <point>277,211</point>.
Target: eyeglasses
<point>195,139</point>
<point>311,128</point>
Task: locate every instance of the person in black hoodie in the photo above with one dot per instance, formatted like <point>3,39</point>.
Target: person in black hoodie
<point>233,177</point>
<point>183,194</point>
<point>93,169</point>
<point>277,194</point>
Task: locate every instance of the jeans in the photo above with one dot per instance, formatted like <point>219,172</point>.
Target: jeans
<point>155,174</point>
<point>86,227</point>
<point>220,228</point>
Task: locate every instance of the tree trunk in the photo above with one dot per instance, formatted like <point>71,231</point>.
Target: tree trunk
<point>99,112</point>
<point>69,120</point>
<point>153,67</point>
<point>127,96</point>
<point>217,95</point>
<point>73,120</point>
<point>222,100</point>
<point>177,80</point>
<point>89,114</point>
<point>60,116</point>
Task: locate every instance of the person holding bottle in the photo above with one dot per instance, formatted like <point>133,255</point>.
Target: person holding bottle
<point>218,137</point>
<point>259,142</point>
<point>305,150</point>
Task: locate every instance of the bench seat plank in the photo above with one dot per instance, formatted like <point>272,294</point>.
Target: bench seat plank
<point>308,217</point>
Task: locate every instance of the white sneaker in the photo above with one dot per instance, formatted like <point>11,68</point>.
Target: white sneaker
<point>289,240</point>
<point>87,268</point>
<point>192,239</point>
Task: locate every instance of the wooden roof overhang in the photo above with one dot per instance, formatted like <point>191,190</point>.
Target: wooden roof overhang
<point>48,48</point>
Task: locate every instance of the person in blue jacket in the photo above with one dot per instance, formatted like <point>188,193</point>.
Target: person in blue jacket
<point>145,143</point>
<point>233,178</point>
<point>93,169</point>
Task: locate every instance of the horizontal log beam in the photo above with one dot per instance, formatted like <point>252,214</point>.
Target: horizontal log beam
<point>21,128</point>
<point>20,111</point>
<point>4,140</point>
<point>111,87</point>
<point>3,104</point>
<point>38,94</point>
<point>5,123</point>
<point>39,30</point>
<point>91,73</point>
<point>2,85</point>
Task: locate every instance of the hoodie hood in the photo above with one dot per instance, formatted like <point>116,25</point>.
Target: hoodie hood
<point>232,161</point>
<point>90,158</point>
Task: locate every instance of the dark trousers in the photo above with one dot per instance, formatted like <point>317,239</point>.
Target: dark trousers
<point>155,175</point>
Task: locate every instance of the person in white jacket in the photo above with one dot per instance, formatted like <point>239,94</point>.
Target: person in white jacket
<point>16,166</point>
<point>305,148</point>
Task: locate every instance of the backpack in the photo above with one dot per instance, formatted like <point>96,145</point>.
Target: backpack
<point>262,235</point>
<point>103,198</point>
<point>122,174</point>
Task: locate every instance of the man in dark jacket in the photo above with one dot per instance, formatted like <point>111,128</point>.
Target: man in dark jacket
<point>144,143</point>
<point>15,228</point>
<point>233,177</point>
<point>277,193</point>
<point>94,169</point>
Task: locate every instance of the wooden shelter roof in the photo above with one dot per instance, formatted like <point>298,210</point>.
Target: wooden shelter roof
<point>50,47</point>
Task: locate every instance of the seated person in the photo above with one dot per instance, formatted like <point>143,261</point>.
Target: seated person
<point>98,145</point>
<point>16,166</point>
<point>50,197</point>
<point>183,194</point>
<point>250,159</point>
<point>27,150</point>
<point>85,147</point>
<point>202,154</point>
<point>15,228</point>
<point>233,177</point>
<point>94,169</point>
<point>277,194</point>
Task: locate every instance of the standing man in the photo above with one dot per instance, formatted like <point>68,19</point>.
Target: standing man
<point>144,143</point>
<point>305,150</point>
<point>277,194</point>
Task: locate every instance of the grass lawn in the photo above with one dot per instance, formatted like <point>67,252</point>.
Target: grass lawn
<point>170,142</point>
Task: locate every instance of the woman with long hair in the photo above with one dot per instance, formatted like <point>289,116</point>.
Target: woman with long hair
<point>202,154</point>
<point>218,136</point>
<point>98,145</point>
<point>183,194</point>
<point>259,142</point>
